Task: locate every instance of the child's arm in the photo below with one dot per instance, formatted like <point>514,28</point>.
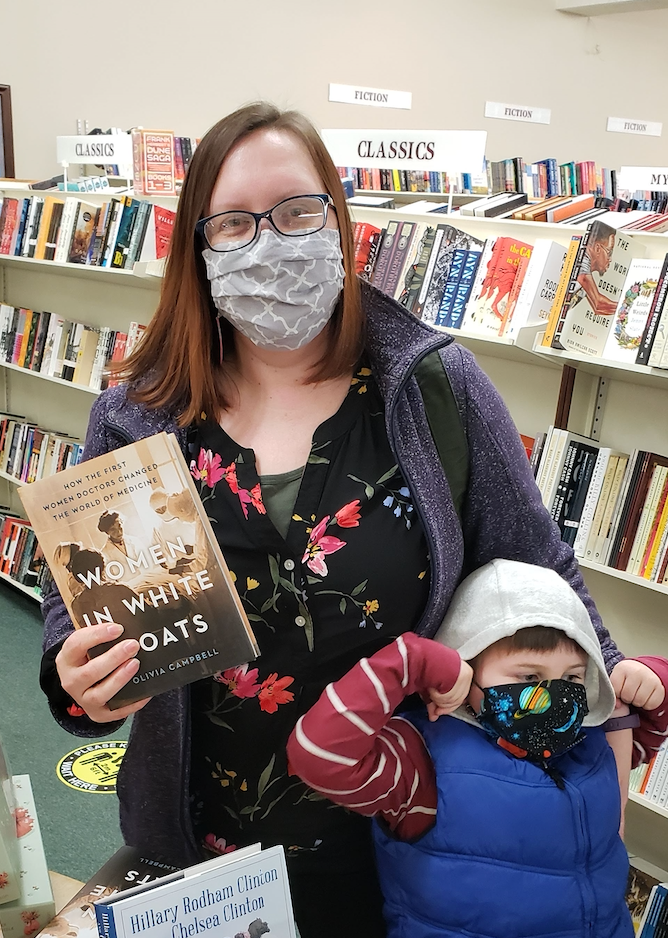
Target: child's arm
<point>621,743</point>
<point>350,747</point>
<point>649,701</point>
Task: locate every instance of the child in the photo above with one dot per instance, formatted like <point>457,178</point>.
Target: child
<point>506,824</point>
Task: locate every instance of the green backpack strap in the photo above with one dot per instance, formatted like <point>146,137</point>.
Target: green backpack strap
<point>445,423</point>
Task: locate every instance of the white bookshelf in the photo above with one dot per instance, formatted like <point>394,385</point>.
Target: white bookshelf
<point>528,377</point>
<point>50,378</point>
<point>27,590</point>
<point>405,198</point>
<point>646,803</point>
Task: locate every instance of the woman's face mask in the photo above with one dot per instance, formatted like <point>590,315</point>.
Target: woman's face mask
<point>279,292</point>
<point>534,720</point>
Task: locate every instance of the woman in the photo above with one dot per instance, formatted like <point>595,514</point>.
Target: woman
<point>290,387</point>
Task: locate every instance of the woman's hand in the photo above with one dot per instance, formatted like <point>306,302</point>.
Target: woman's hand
<point>637,685</point>
<point>441,704</point>
<point>93,682</point>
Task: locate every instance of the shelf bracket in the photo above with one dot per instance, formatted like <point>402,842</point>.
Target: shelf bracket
<point>600,397</point>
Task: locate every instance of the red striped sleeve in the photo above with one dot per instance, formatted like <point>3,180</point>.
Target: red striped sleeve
<point>350,747</point>
<point>653,729</point>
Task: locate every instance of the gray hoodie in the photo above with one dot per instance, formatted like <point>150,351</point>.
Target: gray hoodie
<point>505,596</point>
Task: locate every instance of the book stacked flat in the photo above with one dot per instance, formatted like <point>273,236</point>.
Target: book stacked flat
<point>115,234</point>
<point>53,346</point>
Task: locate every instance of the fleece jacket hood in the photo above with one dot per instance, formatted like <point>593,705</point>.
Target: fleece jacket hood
<point>505,596</point>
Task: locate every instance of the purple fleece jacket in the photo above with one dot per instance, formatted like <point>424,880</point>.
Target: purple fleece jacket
<point>503,516</point>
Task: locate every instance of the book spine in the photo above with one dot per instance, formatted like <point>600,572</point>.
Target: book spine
<point>656,309</point>
<point>570,292</point>
<point>106,923</point>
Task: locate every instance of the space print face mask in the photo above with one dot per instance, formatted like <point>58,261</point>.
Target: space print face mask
<point>536,720</point>
<point>279,292</point>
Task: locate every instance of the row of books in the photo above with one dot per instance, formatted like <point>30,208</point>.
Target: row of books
<point>538,180</point>
<point>21,557</point>
<point>654,922</point>
<point>610,302</point>
<point>55,347</point>
<point>28,452</point>
<point>650,779</point>
<point>403,180</point>
<point>115,234</point>
<point>611,507</point>
<point>451,279</point>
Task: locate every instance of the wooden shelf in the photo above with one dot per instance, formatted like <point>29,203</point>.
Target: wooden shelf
<point>623,575</point>
<point>61,381</point>
<point>646,803</point>
<point>28,590</point>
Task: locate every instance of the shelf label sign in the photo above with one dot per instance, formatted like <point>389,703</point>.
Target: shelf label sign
<point>648,178</point>
<point>623,125</point>
<point>451,151</point>
<point>371,97</point>
<point>95,148</point>
<point>518,112</point>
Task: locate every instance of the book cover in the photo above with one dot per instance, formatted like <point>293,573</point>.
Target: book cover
<point>448,240</point>
<point>127,868</point>
<point>126,225</point>
<point>633,310</point>
<point>555,320</point>
<point>400,255</point>
<point>486,313</point>
<point>163,219</point>
<point>647,339</point>
<point>160,574</point>
<point>539,287</point>
<point>157,175</point>
<point>385,254</point>
<point>245,892</point>
<point>82,233</point>
<point>599,280</point>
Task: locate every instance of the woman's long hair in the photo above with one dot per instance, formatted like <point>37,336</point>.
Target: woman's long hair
<point>177,363</point>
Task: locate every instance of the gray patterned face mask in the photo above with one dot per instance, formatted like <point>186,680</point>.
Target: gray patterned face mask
<point>279,292</point>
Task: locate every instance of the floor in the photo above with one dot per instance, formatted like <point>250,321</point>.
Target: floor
<point>79,829</point>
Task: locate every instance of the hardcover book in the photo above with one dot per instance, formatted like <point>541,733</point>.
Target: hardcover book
<point>633,310</point>
<point>243,893</point>
<point>128,541</point>
<point>127,868</point>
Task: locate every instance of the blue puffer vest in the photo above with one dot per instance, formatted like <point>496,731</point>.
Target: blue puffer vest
<point>511,855</point>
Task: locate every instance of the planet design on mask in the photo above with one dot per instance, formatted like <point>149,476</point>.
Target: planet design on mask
<point>533,700</point>
<point>571,720</point>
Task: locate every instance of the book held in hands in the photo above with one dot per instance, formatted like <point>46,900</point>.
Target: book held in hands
<point>128,541</point>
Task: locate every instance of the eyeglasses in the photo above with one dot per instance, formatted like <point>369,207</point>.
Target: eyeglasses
<point>294,217</point>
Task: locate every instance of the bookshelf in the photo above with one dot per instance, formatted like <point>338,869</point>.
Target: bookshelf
<point>405,198</point>
<point>527,376</point>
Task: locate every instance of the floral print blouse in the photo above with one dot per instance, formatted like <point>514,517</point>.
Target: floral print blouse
<point>351,574</point>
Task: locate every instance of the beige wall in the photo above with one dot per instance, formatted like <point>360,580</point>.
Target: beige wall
<point>183,65</point>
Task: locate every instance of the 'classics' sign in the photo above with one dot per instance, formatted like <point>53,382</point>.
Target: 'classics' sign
<point>453,151</point>
<point>95,148</point>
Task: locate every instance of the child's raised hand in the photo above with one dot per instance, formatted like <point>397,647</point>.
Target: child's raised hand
<point>441,704</point>
<point>636,684</point>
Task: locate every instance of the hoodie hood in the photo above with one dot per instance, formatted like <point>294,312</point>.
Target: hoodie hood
<point>505,596</point>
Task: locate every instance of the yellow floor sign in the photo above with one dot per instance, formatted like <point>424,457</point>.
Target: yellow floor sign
<point>93,767</point>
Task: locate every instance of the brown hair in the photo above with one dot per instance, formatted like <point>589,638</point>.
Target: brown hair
<point>538,638</point>
<point>176,365</point>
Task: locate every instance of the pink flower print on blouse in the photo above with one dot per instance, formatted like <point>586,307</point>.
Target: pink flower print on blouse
<point>252,497</point>
<point>349,515</point>
<point>218,844</point>
<point>208,469</point>
<point>319,545</point>
<point>240,681</point>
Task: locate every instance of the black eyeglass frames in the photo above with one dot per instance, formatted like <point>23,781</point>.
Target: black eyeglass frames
<point>294,217</point>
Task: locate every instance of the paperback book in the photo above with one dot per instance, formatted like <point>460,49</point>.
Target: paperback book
<point>128,541</point>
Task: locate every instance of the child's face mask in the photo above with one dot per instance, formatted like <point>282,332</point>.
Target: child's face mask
<point>279,292</point>
<point>535,720</point>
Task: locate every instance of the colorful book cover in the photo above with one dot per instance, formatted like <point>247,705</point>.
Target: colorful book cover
<point>598,283</point>
<point>169,587</point>
<point>448,240</point>
<point>633,310</point>
<point>157,171</point>
<point>84,227</point>
<point>164,226</point>
<point>488,309</point>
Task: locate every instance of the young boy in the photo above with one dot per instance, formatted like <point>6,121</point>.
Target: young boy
<point>500,820</point>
